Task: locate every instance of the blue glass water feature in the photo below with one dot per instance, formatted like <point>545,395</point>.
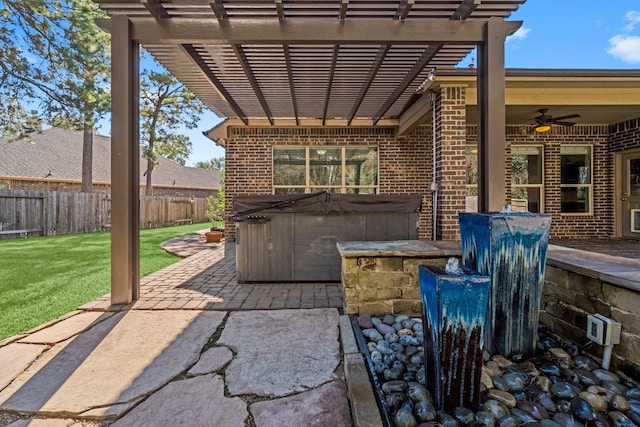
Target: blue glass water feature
<point>454,308</point>
<point>511,248</point>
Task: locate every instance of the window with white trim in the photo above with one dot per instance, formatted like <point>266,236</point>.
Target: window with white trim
<point>352,169</point>
<point>576,183</point>
<point>527,178</point>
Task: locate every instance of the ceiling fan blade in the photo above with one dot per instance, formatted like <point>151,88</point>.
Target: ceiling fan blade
<point>563,123</point>
<point>570,116</point>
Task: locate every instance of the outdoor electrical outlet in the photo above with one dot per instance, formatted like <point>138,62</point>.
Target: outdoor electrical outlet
<point>602,330</point>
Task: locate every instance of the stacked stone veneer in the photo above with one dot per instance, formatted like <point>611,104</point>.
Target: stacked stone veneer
<point>569,297</point>
<point>382,285</point>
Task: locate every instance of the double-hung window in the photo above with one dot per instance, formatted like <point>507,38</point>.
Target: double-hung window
<point>527,178</point>
<point>576,184</point>
<point>352,169</point>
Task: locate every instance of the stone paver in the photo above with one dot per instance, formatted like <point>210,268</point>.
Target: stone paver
<point>113,364</point>
<point>281,352</point>
<point>47,422</point>
<point>211,360</point>
<point>16,358</point>
<point>66,328</point>
<point>192,402</point>
<point>325,406</point>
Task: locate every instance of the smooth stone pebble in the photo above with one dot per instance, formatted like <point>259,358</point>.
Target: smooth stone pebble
<point>549,423</point>
<point>615,387</point>
<point>513,381</point>
<point>418,393</point>
<point>486,380</point>
<point>501,361</point>
<point>500,383</point>
<point>401,318</point>
<point>391,337</point>
<point>585,362</point>
<point>633,393</point>
<point>405,332</point>
<point>379,368</point>
<point>417,328</point>
<point>397,326</point>
<point>550,369</point>
<point>372,346</point>
<point>410,350</point>
<point>485,419</point>
<point>543,382</point>
<point>601,420</point>
<point>605,375</point>
<point>376,356</point>
<point>463,415</point>
<point>364,321</point>
<point>396,347</point>
<point>634,405</point>
<point>535,409</point>
<point>619,403</point>
<point>394,400</point>
<point>582,409</point>
<point>388,319</point>
<point>595,400</point>
<point>376,336</point>
<point>523,416</point>
<point>633,417</point>
<point>385,329</point>
<point>503,397</point>
<point>618,419</point>
<point>446,420</point>
<point>404,418</point>
<point>547,402</point>
<point>601,391</point>
<point>394,387</point>
<point>587,378</point>
<point>529,368</point>
<point>562,390</point>
<point>558,353</point>
<point>408,323</point>
<point>495,408</point>
<point>421,376</point>
<point>508,421</point>
<point>392,374</point>
<point>566,420</point>
<point>383,347</point>
<point>376,321</point>
<point>424,411</point>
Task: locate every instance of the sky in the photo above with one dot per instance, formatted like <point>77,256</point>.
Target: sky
<point>554,34</point>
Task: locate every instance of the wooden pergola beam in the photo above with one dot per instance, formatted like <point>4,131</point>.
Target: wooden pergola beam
<point>308,31</point>
<point>373,71</point>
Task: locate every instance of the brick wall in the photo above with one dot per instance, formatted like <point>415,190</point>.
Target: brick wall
<point>404,163</point>
<point>625,135</point>
<point>598,224</point>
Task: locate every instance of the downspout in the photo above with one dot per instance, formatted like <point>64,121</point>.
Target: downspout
<point>434,183</point>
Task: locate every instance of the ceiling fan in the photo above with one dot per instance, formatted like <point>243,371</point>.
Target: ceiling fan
<point>544,120</point>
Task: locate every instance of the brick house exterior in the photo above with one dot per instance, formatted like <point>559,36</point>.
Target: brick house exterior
<point>406,163</point>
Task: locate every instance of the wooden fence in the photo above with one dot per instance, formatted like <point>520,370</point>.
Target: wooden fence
<point>35,213</point>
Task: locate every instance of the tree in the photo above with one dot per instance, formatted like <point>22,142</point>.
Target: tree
<point>217,164</point>
<point>165,106</point>
<point>54,53</point>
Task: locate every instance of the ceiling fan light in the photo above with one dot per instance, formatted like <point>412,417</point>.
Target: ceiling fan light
<point>542,128</point>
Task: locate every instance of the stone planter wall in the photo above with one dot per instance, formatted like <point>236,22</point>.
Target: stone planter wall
<point>382,285</point>
<point>570,296</point>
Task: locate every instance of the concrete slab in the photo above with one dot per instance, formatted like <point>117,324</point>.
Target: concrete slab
<point>16,358</point>
<point>280,352</point>
<point>112,365</point>
<point>325,406</point>
<point>67,328</point>
<point>211,360</point>
<point>192,402</point>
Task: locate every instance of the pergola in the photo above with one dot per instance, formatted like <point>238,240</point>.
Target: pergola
<point>300,62</point>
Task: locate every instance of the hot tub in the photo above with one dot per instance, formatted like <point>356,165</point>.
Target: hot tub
<point>292,238</point>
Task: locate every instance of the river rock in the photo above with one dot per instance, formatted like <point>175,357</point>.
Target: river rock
<point>618,419</point>
<point>424,411</point>
<point>606,375</point>
<point>582,409</point>
<point>619,403</point>
<point>404,418</point>
<point>384,329</point>
<point>495,408</point>
<point>595,400</point>
<point>364,321</point>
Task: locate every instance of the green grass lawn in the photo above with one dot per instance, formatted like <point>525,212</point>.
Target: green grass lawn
<point>42,278</point>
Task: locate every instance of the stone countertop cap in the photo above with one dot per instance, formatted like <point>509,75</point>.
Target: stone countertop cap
<point>405,248</point>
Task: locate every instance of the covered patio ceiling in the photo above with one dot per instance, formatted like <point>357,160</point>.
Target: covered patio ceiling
<point>286,60</point>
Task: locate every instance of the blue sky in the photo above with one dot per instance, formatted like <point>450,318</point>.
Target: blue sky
<point>555,34</point>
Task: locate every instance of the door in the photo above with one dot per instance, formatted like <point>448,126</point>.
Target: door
<point>631,195</point>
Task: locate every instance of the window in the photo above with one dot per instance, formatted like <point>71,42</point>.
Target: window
<point>5,185</point>
<point>334,169</point>
<point>527,173</point>
<point>471,195</point>
<point>576,186</point>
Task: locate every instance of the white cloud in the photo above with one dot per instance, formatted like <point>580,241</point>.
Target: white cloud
<point>633,16</point>
<point>626,48</point>
<point>520,34</point>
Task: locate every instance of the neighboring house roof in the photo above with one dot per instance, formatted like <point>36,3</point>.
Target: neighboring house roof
<point>59,152</point>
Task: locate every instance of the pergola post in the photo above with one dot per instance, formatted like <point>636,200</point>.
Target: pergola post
<point>491,120</point>
<point>125,170</point>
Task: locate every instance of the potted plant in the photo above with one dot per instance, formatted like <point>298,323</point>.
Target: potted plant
<point>215,214</point>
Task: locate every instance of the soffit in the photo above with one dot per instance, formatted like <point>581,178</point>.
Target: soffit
<point>338,79</point>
